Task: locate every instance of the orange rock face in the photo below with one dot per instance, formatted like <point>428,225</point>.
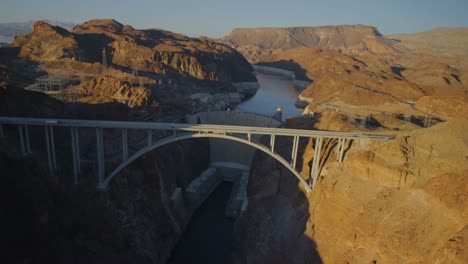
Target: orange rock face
<point>355,66</point>
<point>403,201</point>
<point>137,67</point>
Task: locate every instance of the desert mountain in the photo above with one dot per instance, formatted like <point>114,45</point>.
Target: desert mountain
<point>116,62</point>
<point>345,38</point>
<point>357,70</point>
<point>11,30</point>
<point>441,41</point>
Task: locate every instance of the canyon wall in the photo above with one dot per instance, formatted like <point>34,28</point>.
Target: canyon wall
<point>401,201</point>
<point>133,221</point>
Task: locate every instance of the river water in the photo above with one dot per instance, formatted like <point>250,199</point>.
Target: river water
<point>207,239</point>
<point>6,39</point>
<point>275,91</point>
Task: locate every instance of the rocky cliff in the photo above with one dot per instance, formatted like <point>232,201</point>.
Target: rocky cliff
<point>441,41</point>
<point>11,30</point>
<point>256,42</point>
<point>153,67</point>
<point>358,70</point>
<point>47,219</point>
<point>402,201</point>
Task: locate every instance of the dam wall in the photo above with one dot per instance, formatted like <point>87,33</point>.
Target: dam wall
<point>299,84</point>
<point>228,155</point>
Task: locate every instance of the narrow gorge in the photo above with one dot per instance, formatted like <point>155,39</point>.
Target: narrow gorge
<point>330,144</point>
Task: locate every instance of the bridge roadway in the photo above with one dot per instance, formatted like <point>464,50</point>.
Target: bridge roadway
<point>241,134</point>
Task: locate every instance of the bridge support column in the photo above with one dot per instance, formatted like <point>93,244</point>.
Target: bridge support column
<point>50,142</point>
<point>2,135</point>
<point>407,118</point>
<point>272,143</point>
<point>294,151</point>
<point>124,144</point>
<point>150,137</point>
<point>388,117</point>
<point>75,153</point>
<point>22,143</point>
<point>28,143</point>
<point>340,150</point>
<point>316,161</point>
<point>427,121</point>
<point>25,145</point>
<point>100,157</point>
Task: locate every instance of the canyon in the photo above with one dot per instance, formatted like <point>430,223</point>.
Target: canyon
<point>384,203</point>
<point>398,201</point>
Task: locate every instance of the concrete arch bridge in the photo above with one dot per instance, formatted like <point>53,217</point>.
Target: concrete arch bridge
<point>245,135</point>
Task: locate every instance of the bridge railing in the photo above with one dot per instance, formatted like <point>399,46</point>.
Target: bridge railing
<point>243,134</point>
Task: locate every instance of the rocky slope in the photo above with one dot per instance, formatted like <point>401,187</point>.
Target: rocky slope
<point>152,70</point>
<point>13,29</point>
<point>106,61</point>
<point>255,42</point>
<point>357,70</point>
<point>51,221</point>
<point>441,41</point>
<point>406,200</point>
<point>402,201</point>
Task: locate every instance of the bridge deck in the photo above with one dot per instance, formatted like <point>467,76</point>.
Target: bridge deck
<point>242,134</point>
<point>190,127</point>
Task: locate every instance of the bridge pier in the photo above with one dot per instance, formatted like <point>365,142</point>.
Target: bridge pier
<point>2,134</point>
<point>100,157</point>
<point>25,145</point>
<point>24,140</point>
<point>272,143</point>
<point>407,118</point>
<point>316,161</point>
<point>124,144</point>
<point>341,147</point>
<point>150,137</point>
<point>75,143</point>
<point>427,121</point>
<point>21,136</point>
<point>294,151</point>
<point>50,142</point>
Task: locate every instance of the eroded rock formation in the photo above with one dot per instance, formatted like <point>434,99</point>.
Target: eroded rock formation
<point>107,61</point>
<point>400,201</point>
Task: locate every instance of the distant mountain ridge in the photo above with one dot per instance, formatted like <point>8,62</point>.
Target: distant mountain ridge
<point>255,43</point>
<point>442,41</point>
<point>284,38</point>
<point>11,30</point>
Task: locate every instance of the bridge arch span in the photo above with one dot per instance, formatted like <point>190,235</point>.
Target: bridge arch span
<point>103,185</point>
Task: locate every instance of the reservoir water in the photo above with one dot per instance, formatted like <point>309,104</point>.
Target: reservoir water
<point>6,39</point>
<point>275,91</point>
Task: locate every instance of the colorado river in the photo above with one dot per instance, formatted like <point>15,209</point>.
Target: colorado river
<point>207,238</point>
<point>275,91</point>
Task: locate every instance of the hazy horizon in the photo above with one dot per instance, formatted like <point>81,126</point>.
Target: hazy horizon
<point>216,19</point>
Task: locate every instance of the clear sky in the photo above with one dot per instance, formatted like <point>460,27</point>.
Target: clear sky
<point>215,18</point>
